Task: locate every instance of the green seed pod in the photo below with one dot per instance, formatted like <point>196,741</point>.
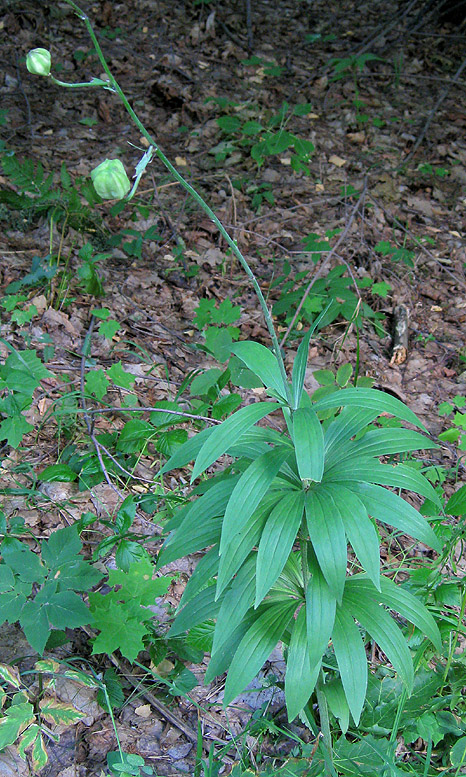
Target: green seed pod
<point>38,62</point>
<point>110,180</point>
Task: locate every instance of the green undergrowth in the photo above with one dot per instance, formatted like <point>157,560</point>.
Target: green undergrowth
<point>320,518</point>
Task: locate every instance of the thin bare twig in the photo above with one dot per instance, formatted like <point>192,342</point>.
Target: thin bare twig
<point>434,110</point>
<point>144,409</point>
<point>87,419</point>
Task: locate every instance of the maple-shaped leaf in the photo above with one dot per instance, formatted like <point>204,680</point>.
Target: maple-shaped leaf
<point>13,429</point>
<point>137,584</point>
<point>28,362</point>
<point>97,383</point>
<point>119,376</point>
<point>117,632</point>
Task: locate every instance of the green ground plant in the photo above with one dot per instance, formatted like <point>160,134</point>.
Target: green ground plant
<point>452,411</point>
<point>353,66</point>
<point>265,138</point>
<point>292,522</point>
<point>335,293</point>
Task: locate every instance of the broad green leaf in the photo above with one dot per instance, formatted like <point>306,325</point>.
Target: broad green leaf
<point>328,539</point>
<point>395,597</point>
<point>11,605</point>
<point>229,432</point>
<point>371,399</point>
<point>201,523</point>
<point>245,540</point>
<point>128,552</point>
<point>367,470</point>
<point>343,375</point>
<point>13,429</point>
<point>59,712</point>
<point>351,660</point>
<point>7,578</point>
<point>456,505</point>
<point>206,380</point>
<point>458,752</point>
<point>188,451</point>
<point>383,697</point>
<point>359,529</point>
<point>237,601</point>
<point>39,755</point>
<point>97,383</point>
<point>29,362</point>
<point>320,616</point>
<point>66,610</point>
<point>250,489</point>
<point>338,705</point>
<point>10,674</point>
<point>392,509</point>
<point>58,472</point>
<point>308,440</point>
<point>206,568</point>
<point>61,548</point>
<point>349,422</point>
<point>116,373</point>
<point>137,585</point>
<point>276,544</point>
<point>118,631</point>
<point>262,362</point>
<point>380,442</point>
<point>367,756</point>
<point>300,678</point>
<point>382,628</point>
<point>135,435</point>
<point>25,563</point>
<point>27,739</point>
<point>256,646</point>
<point>16,719</point>
<point>221,660</point>
<point>125,764</point>
<point>199,609</point>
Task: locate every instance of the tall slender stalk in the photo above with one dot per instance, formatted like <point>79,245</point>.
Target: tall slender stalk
<point>112,85</point>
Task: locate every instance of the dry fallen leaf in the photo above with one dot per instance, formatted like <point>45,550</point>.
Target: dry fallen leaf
<point>144,711</point>
<point>337,160</point>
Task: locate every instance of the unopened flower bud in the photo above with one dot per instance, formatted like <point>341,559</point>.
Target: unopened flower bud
<point>38,62</point>
<point>110,180</point>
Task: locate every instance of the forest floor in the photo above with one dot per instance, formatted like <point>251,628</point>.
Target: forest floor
<point>402,215</point>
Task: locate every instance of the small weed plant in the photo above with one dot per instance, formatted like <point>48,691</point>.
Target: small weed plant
<point>289,500</point>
